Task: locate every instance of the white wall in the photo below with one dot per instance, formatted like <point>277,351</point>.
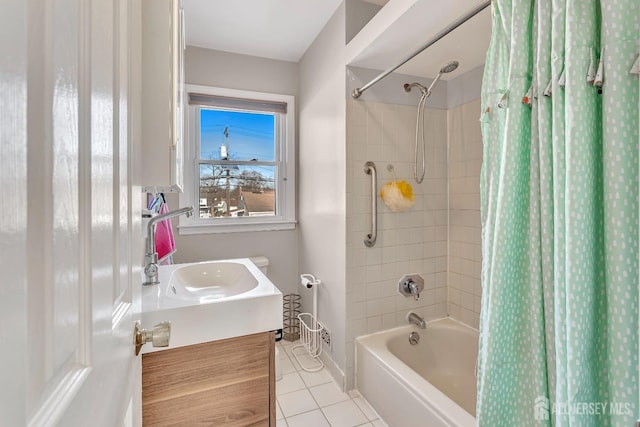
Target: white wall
<point>465,88</point>
<point>229,70</point>
<point>357,14</point>
<point>322,176</point>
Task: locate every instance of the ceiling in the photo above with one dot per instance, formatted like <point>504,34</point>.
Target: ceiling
<point>284,29</point>
<point>467,44</point>
<point>277,29</point>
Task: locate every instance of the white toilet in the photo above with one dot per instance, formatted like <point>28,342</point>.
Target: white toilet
<point>262,262</point>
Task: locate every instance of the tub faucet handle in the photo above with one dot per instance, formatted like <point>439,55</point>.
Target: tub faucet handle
<point>415,291</point>
<point>411,285</point>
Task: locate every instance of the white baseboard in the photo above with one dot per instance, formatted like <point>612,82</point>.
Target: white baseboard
<point>337,374</point>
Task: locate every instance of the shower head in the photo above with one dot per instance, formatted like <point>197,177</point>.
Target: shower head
<point>449,67</point>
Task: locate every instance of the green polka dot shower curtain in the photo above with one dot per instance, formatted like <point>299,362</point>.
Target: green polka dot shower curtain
<point>559,195</point>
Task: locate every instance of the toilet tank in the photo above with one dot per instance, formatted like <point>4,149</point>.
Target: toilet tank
<point>261,262</point>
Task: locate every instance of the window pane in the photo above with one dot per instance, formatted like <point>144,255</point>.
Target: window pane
<point>232,190</point>
<point>236,135</point>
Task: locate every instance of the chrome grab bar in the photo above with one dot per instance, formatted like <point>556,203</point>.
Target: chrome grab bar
<point>370,169</point>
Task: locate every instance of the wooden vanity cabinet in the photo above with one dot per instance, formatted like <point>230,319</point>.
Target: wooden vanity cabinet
<point>229,382</point>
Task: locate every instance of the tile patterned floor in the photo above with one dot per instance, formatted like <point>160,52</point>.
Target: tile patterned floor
<point>312,399</point>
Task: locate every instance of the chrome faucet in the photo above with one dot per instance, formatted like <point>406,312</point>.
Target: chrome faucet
<point>151,256</point>
<point>416,320</point>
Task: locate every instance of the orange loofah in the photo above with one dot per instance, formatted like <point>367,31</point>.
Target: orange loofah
<point>397,195</point>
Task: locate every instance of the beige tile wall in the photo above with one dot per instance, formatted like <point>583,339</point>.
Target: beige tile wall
<point>439,237</point>
<point>465,255</point>
<point>408,242</point>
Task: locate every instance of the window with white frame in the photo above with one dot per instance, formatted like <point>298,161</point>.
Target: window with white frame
<point>239,162</point>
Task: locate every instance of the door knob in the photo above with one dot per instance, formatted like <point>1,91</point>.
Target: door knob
<point>158,336</point>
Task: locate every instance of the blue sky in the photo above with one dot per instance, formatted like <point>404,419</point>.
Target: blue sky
<point>250,135</point>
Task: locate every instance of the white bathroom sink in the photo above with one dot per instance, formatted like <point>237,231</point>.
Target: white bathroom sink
<point>207,281</point>
<point>213,300</point>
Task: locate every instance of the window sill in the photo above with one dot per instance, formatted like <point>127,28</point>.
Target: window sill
<point>189,229</point>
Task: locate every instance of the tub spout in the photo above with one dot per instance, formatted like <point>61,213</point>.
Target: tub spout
<point>416,320</point>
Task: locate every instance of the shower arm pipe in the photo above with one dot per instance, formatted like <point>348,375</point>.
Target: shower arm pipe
<point>370,169</point>
<point>458,22</point>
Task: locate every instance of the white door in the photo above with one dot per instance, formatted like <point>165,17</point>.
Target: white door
<point>68,214</point>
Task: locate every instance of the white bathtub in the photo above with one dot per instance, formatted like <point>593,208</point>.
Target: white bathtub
<point>431,384</point>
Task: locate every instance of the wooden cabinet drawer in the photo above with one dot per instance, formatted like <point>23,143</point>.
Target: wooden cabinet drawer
<point>228,382</point>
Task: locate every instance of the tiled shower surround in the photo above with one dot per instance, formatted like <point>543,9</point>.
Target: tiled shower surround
<point>438,238</point>
<point>408,242</point>
<point>465,253</point>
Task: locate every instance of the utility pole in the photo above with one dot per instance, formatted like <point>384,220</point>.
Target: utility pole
<point>226,143</point>
<point>224,150</point>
